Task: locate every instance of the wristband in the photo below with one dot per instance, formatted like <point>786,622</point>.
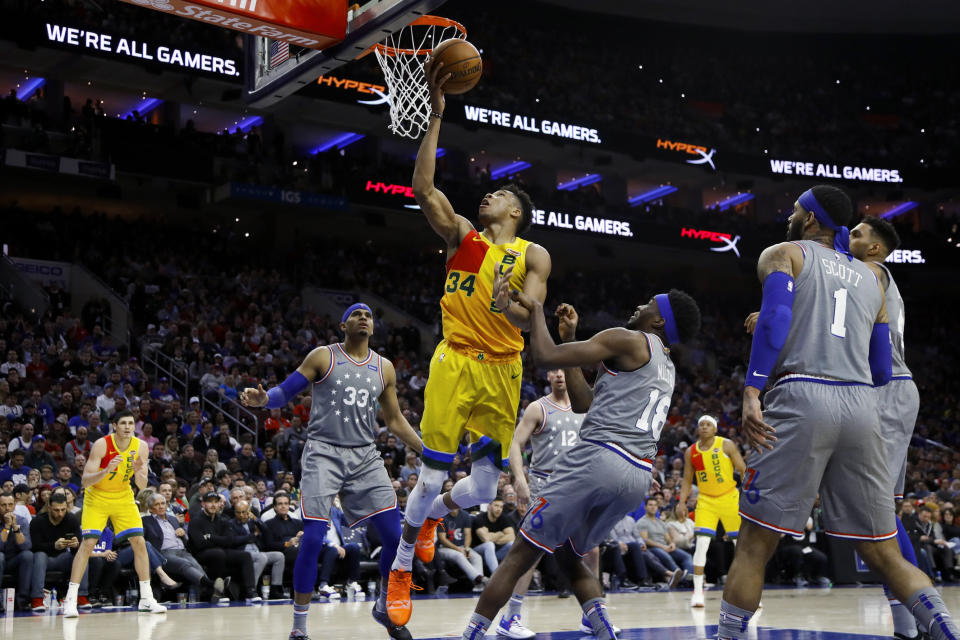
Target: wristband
<point>438,116</point>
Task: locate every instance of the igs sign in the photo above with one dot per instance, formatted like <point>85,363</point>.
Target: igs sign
<point>729,242</point>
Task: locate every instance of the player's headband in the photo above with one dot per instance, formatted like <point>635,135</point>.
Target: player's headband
<point>841,241</point>
<point>666,312</point>
<point>710,419</point>
<point>354,307</point>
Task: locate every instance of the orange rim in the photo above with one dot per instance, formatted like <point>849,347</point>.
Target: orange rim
<point>422,21</point>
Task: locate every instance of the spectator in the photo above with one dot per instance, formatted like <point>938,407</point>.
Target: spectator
<point>216,547</point>
<point>801,562</point>
<point>455,546</point>
<point>203,441</point>
<point>285,532</point>
<point>15,554</point>
<point>79,462</point>
<point>275,423</point>
<point>934,554</point>
<point>165,533</point>
<point>79,445</point>
<point>13,363</point>
<point>22,498</point>
<point>107,560</point>
<point>258,546</point>
<point>65,479</point>
<point>642,566</point>
<point>106,402</point>
<point>55,537</point>
<point>38,455</point>
<point>24,440</point>
<point>187,466</point>
<point>15,470</point>
<point>659,539</point>
<point>492,535</point>
<point>411,466</point>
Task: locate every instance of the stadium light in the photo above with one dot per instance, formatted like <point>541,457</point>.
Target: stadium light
<point>653,194</point>
<point>249,123</point>
<point>144,107</point>
<point>340,142</point>
<point>900,208</point>
<point>509,169</point>
<point>590,178</point>
<point>30,87</point>
<point>732,201</point>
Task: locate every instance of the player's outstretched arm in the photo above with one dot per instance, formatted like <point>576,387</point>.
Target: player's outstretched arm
<point>392,415</point>
<point>687,484</point>
<point>534,285</point>
<point>628,349</point>
<point>581,393</point>
<point>92,473</point>
<point>532,419</point>
<point>435,206</point>
<point>314,366</point>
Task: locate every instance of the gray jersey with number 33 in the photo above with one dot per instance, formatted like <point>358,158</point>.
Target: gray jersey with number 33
<point>345,400</point>
<point>630,407</point>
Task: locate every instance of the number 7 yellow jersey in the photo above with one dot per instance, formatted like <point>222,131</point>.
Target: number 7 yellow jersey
<point>470,317</point>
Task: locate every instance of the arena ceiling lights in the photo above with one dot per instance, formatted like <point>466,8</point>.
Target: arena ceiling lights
<point>26,90</point>
<point>732,201</point>
<point>144,107</point>
<point>903,207</point>
<point>340,142</point>
<point>590,178</point>
<point>653,194</point>
<point>509,169</point>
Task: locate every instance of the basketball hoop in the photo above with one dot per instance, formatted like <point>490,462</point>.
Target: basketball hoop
<point>401,56</point>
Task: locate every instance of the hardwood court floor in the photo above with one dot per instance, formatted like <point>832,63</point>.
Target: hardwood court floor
<point>808,614</point>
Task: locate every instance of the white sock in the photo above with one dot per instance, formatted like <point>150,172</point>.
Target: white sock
<point>404,559</point>
<point>698,583</point>
<point>146,591</point>
<point>438,509</point>
<point>72,589</point>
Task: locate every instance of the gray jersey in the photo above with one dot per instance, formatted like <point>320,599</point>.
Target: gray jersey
<point>897,320</point>
<point>559,430</point>
<point>630,407</point>
<point>344,410</point>
<point>836,303</point>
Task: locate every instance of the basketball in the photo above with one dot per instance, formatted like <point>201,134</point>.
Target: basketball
<point>462,59</point>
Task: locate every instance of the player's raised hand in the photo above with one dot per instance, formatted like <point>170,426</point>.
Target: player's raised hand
<point>751,322</point>
<point>681,511</point>
<point>568,321</point>
<point>501,286</point>
<point>140,464</point>
<point>433,70</point>
<point>114,463</point>
<point>254,397</point>
<point>758,434</point>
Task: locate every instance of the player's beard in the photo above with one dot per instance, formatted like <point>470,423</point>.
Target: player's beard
<point>795,230</point>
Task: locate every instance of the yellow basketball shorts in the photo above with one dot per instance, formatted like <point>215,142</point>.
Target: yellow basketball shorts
<point>469,391</point>
<point>120,509</point>
<point>711,510</point>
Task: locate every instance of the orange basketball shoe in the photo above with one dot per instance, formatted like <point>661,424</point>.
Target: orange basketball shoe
<point>399,606</point>
<point>426,540</point>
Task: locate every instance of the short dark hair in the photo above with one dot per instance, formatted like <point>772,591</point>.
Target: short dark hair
<point>58,498</point>
<point>835,202</point>
<point>126,413</point>
<point>526,206</point>
<point>18,452</point>
<point>6,494</point>
<point>885,231</point>
<point>686,314</point>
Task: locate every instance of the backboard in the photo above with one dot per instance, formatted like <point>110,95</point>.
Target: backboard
<point>276,70</point>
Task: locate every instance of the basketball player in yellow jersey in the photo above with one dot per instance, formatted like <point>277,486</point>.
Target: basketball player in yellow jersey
<point>474,381</point>
<point>107,495</point>
<point>712,460</point>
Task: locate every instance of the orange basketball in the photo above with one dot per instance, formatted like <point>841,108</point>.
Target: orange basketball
<point>462,59</point>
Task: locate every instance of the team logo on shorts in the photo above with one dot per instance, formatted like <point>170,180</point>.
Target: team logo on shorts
<point>536,518</point>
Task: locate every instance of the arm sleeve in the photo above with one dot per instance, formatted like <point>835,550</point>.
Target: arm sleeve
<point>286,390</point>
<point>881,354</point>
<point>773,325</point>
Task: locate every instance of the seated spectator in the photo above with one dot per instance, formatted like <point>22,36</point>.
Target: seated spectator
<point>165,533</point>
<point>659,539</point>
<point>247,459</point>
<point>642,566</point>
<point>55,537</point>
<point>259,547</point>
<point>203,441</point>
<point>23,501</point>
<point>38,456</point>
<point>187,466</point>
<point>337,552</point>
<point>800,561</point>
<point>456,540</point>
<point>492,535</point>
<point>79,445</point>
<point>285,530</point>
<point>15,554</point>
<point>215,546</point>
<point>25,438</point>
<point>79,462</point>
<point>933,552</point>
<point>15,470</point>
<point>106,561</point>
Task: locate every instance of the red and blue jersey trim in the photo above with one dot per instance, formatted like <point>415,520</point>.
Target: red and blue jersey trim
<point>641,463</point>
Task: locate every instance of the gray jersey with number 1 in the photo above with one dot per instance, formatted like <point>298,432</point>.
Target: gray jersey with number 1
<point>630,407</point>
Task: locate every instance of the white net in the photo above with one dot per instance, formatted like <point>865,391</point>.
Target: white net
<point>401,57</point>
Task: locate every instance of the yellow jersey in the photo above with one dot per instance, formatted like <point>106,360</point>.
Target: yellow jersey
<point>471,319</point>
<point>713,469</point>
<point>118,480</point>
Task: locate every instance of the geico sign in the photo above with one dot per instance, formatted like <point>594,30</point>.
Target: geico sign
<point>729,242</point>
<point>389,189</point>
<point>706,155</point>
<point>906,256</point>
<point>349,84</point>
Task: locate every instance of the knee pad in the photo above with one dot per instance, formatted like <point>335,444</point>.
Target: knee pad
<point>431,481</point>
<point>700,553</point>
<point>479,487</point>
